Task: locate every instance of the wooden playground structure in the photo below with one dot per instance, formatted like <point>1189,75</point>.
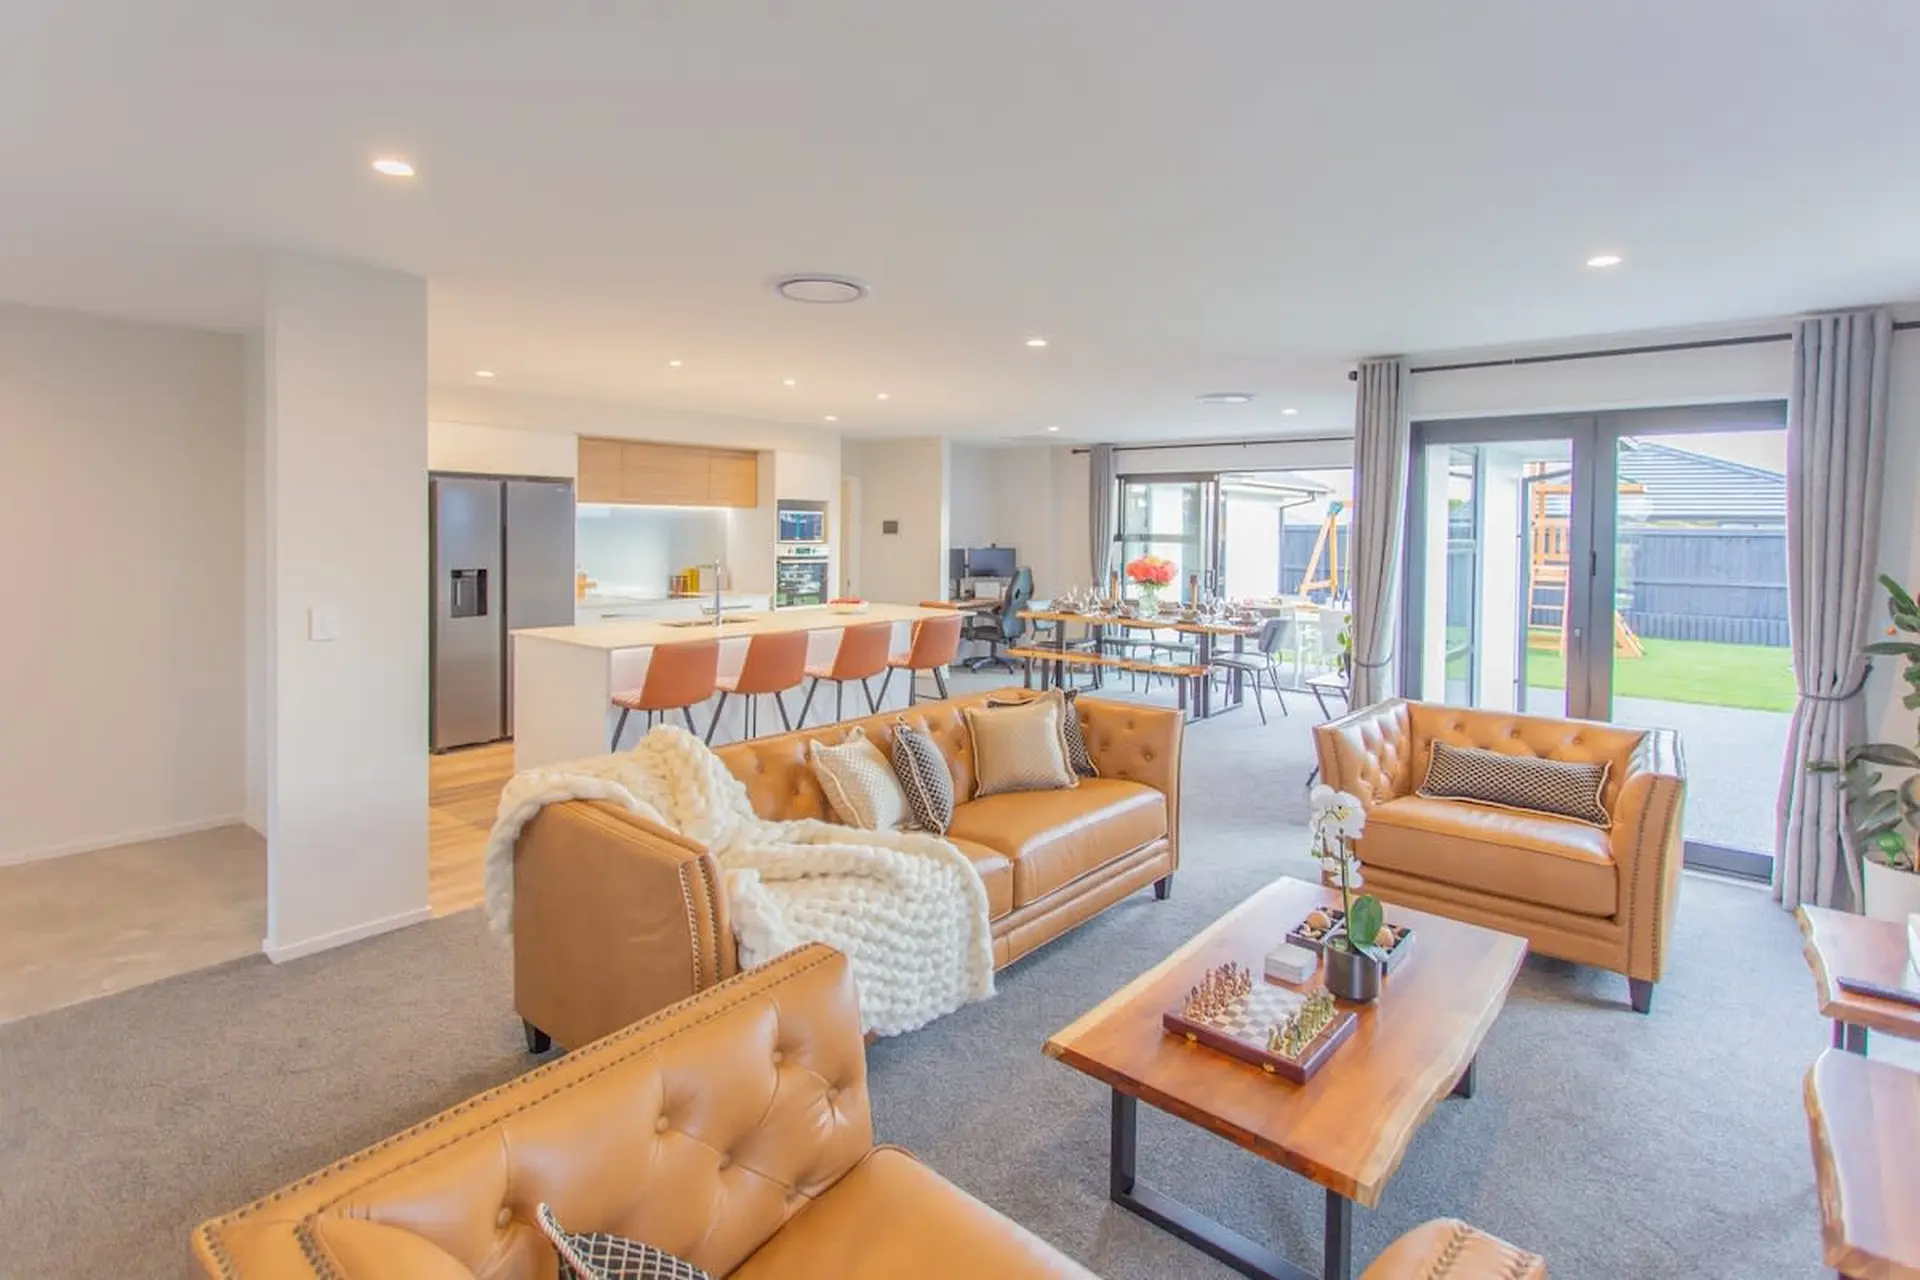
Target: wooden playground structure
<point>1338,579</point>
<point>1549,555</point>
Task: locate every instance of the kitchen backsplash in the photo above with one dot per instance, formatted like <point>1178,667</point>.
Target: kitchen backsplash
<point>636,549</point>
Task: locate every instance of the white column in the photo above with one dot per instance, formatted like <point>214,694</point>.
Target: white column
<point>1502,602</point>
<point>343,398</point>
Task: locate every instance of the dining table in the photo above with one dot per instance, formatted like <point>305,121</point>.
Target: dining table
<point>1206,633</point>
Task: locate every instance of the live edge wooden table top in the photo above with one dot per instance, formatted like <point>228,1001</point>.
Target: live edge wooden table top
<point>1842,945</point>
<point>1864,1121</point>
<point>1349,1126</point>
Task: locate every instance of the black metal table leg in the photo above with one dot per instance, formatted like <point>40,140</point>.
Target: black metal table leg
<point>1469,1079</point>
<point>1850,1037</point>
<point>1203,1233</point>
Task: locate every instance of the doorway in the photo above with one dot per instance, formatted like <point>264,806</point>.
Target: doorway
<point>1627,567</point>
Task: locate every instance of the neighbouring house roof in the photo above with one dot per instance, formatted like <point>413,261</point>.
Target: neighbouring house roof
<point>1662,484</point>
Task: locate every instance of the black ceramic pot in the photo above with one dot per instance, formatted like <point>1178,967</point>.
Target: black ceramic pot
<point>1352,975</point>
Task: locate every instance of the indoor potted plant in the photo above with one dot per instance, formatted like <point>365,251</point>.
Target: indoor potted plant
<point>1353,962</point>
<point>1151,574</point>
<point>1883,812</point>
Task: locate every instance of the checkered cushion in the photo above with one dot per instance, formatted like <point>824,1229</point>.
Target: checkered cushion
<point>597,1255</point>
<point>924,777</point>
<point>1564,788</point>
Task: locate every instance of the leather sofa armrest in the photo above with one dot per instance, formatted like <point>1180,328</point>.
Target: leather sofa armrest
<point>1137,744</point>
<point>615,917</point>
<point>1647,843</point>
<point>1368,753</point>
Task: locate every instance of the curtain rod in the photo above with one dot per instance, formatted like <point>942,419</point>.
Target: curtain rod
<point>1701,344</point>
<point>1225,444</point>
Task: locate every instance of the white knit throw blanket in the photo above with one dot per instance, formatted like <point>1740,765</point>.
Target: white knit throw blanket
<point>907,908</point>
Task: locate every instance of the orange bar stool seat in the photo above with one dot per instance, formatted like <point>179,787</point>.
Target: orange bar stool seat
<point>678,677</point>
<point>936,643</point>
<point>861,656</point>
<point>774,664</point>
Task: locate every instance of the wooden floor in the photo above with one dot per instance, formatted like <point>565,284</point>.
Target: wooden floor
<point>91,924</point>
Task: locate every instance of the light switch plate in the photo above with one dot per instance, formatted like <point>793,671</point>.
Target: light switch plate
<point>323,622</point>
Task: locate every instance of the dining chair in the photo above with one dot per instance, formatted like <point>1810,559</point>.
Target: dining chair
<point>1263,660</point>
<point>862,655</point>
<point>678,677</point>
<point>774,664</point>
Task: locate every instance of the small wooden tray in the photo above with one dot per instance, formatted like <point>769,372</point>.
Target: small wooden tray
<point>1402,945</point>
<point>1246,1037</point>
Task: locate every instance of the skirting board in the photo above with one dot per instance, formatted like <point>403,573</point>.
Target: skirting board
<point>341,937</point>
<point>124,838</point>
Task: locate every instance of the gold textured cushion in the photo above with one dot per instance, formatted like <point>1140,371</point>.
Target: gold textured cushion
<point>859,781</point>
<point>1020,748</point>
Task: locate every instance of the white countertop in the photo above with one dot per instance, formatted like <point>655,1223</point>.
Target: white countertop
<point>642,634</point>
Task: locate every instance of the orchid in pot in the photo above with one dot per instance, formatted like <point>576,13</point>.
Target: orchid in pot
<point>1354,960</point>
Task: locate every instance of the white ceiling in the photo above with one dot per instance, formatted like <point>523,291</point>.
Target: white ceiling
<point>1216,195</point>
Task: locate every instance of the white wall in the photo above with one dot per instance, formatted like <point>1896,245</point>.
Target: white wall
<point>345,394</point>
<point>121,529</point>
<point>501,451</point>
<point>637,549</point>
<point>975,510</point>
<point>901,480</point>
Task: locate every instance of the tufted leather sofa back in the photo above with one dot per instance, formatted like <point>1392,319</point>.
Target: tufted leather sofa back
<point>701,1130</point>
<point>782,786</point>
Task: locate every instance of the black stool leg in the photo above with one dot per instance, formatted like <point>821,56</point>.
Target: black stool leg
<point>940,680</point>
<point>718,707</point>
<point>805,703</point>
<point>839,700</point>
<point>619,727</point>
<point>782,708</point>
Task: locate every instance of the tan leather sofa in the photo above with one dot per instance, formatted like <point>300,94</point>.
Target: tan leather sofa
<point>732,1129</point>
<point>1574,891</point>
<point>616,917</point>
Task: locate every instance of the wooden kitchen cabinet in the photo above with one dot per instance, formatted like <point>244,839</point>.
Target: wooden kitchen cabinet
<point>638,472</point>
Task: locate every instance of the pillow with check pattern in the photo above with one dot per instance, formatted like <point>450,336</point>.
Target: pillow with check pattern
<point>924,777</point>
<point>597,1255</point>
<point>1020,746</point>
<point>1077,755</point>
<point>1563,788</point>
<point>859,782</point>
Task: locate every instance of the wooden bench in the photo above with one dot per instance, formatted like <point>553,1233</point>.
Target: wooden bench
<point>1179,674</point>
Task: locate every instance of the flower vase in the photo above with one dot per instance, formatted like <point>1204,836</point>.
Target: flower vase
<point>1352,975</point>
<point>1149,599</point>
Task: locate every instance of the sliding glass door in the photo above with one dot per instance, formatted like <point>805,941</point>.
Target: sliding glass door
<point>1624,566</point>
<point>1173,517</point>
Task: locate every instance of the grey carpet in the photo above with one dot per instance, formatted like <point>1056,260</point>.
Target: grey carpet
<point>1619,1146</point>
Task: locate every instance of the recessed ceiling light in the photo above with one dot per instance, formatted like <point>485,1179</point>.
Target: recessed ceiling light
<point>674,364</point>
<point>1288,413</point>
<point>1604,260</point>
<point>392,166</point>
<point>1053,428</point>
<point>483,373</point>
<point>1227,397</point>
<point>832,417</point>
<point>881,396</point>
<point>788,382</point>
<point>820,288</point>
<point>1036,342</point>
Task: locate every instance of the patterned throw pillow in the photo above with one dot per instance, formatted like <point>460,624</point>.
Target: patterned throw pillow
<point>1077,756</point>
<point>596,1255</point>
<point>1564,788</point>
<point>859,782</point>
<point>1019,747</point>
<point>924,777</point>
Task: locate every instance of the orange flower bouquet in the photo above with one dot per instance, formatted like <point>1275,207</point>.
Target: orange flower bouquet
<point>1152,575</point>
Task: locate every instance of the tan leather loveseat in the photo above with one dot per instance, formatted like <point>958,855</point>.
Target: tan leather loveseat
<point>1592,896</point>
<point>615,917</point>
<point>732,1130</point>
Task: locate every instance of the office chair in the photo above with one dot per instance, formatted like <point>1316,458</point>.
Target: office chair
<point>1001,626</point>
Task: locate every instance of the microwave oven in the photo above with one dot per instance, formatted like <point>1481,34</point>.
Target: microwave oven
<point>801,521</point>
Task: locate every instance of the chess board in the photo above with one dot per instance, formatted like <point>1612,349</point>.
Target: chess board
<point>1241,1030</point>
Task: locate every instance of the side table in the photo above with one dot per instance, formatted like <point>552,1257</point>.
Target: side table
<point>1842,945</point>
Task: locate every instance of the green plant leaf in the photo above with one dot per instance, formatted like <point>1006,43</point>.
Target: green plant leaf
<point>1887,753</point>
<point>1893,649</point>
<point>1364,921</point>
<point>1890,843</point>
<point>1897,597</point>
<point>1911,701</point>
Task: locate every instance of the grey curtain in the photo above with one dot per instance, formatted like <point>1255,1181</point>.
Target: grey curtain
<point>1836,443</point>
<point>1381,446</point>
<point>1100,485</point>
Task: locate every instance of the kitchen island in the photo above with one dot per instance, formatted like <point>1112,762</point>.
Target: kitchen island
<point>564,678</point>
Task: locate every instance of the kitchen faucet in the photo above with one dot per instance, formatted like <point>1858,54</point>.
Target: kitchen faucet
<point>718,605</point>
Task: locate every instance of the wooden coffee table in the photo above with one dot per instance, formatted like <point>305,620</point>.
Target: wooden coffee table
<point>1842,945</point>
<point>1863,1118</point>
<point>1346,1129</point>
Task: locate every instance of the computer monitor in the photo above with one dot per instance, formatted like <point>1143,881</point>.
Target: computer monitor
<point>990,562</point>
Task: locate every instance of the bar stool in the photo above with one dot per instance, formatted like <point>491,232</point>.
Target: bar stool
<point>774,664</point>
<point>678,676</point>
<point>936,642</point>
<point>861,656</point>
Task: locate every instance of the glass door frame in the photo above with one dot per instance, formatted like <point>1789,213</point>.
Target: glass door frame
<point>1593,522</point>
<point>1208,549</point>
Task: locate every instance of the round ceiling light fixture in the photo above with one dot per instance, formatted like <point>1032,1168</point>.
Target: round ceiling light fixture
<point>1604,260</point>
<point>1227,397</point>
<point>393,166</point>
<point>826,289</point>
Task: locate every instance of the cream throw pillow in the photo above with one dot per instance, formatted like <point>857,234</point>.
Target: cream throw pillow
<point>859,782</point>
<point>1020,747</point>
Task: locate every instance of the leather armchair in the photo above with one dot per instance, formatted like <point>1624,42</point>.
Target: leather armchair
<point>732,1129</point>
<point>615,917</point>
<point>1574,891</point>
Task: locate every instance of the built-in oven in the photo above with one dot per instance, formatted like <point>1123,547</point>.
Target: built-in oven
<point>801,522</point>
<point>799,582</point>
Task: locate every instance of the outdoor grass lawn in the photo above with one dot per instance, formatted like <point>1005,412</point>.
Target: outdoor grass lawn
<point>1756,676</point>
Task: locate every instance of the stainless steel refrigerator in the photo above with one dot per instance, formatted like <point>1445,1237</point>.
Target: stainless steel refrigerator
<point>502,559</point>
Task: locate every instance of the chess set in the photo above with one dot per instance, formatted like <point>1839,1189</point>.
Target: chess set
<point>1286,1033</point>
